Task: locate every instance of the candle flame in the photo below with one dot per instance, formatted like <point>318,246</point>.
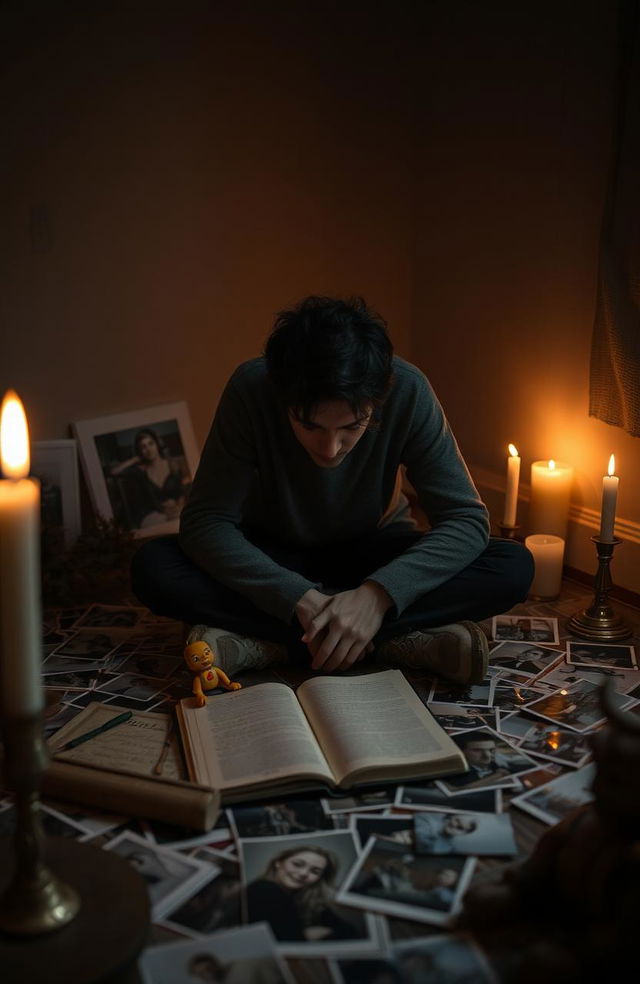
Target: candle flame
<point>14,437</point>
<point>552,464</point>
<point>612,465</point>
<point>513,451</point>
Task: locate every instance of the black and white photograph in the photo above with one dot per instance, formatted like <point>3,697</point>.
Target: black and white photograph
<point>601,654</point>
<point>552,801</point>
<point>453,717</point>
<point>71,680</point>
<point>215,905</point>
<point>564,674</point>
<point>438,959</point>
<point>92,643</point>
<point>479,834</point>
<point>493,762</point>
<point>107,616</point>
<point>151,665</point>
<point>523,657</point>
<point>390,878</point>
<point>509,696</point>
<point>292,884</point>
<point>577,707</point>
<point>55,464</point>
<point>234,956</point>
<point>170,876</point>
<point>473,695</point>
<point>132,687</point>
<point>139,466</point>
<point>278,819</point>
<point>549,741</point>
<point>428,796</point>
<point>524,628</point>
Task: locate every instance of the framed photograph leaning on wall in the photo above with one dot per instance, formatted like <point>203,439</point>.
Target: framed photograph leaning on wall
<point>55,464</point>
<point>139,466</point>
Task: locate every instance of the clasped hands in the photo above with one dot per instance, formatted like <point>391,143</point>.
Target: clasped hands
<point>338,629</point>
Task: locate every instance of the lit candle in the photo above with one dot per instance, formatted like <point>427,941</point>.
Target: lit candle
<point>609,498</point>
<point>511,496</point>
<point>548,554</point>
<point>20,669</point>
<point>550,497</point>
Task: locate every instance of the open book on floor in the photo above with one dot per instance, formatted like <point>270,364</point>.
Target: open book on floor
<point>333,731</point>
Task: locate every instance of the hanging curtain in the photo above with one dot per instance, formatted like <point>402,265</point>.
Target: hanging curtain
<point>615,350</point>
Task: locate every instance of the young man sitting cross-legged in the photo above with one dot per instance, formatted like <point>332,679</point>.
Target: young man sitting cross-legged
<point>297,538</point>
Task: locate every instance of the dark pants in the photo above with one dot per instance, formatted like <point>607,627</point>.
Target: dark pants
<point>170,584</point>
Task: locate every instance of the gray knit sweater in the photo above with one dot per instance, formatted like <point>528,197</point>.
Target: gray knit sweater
<point>255,474</point>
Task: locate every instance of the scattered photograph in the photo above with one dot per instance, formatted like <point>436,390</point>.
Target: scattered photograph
<point>475,694</point>
<point>454,717</point>
<point>560,745</point>
<point>554,800</point>
<point>493,762</point>
<point>245,955</point>
<point>599,654</point>
<point>139,466</point>
<point>511,697</point>
<point>179,838</point>
<point>396,828</point>
<point>427,796</point>
<point>92,643</point>
<point>389,878</point>
<point>170,876</point>
<point>57,714</point>
<point>374,800</point>
<point>577,707</point>
<point>147,665</point>
<point>78,680</point>
<point>479,834</point>
<point>454,959</point>
<point>216,905</point>
<point>291,883</point>
<point>523,657</point>
<point>277,819</point>
<point>521,628</point>
<point>55,464</point>
<point>564,674</point>
<point>70,664</point>
<point>108,616</point>
<point>130,686</point>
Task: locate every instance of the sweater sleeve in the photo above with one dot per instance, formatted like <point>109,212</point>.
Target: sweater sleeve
<point>458,519</point>
<point>210,524</point>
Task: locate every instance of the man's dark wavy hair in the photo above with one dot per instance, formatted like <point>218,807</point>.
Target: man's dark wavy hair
<point>329,349</point>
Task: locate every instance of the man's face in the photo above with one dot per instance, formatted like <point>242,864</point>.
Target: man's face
<point>332,432</point>
<point>480,753</point>
<point>458,824</point>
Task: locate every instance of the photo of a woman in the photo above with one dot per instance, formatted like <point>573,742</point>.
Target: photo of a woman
<point>295,893</point>
<point>162,483</point>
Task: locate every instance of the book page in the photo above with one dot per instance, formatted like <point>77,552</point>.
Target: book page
<point>251,736</point>
<point>135,746</point>
<point>373,721</point>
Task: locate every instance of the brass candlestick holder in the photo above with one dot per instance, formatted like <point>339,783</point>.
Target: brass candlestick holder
<point>599,622</point>
<point>36,900</point>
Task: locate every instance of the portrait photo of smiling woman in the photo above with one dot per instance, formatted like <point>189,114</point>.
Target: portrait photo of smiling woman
<point>291,884</point>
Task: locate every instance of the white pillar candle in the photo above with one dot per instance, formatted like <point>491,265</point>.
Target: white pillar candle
<point>548,554</point>
<point>609,499</point>
<point>20,667</point>
<point>511,496</point>
<point>550,497</point>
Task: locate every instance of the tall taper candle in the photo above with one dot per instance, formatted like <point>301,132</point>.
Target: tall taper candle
<point>20,667</point>
<point>511,495</point>
<point>609,499</point>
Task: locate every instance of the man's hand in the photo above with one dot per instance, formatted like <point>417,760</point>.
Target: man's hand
<point>343,624</point>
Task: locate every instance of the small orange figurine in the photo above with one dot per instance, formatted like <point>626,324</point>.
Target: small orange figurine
<point>200,660</point>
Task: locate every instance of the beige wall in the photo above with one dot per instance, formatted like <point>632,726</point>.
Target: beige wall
<point>175,175</point>
<point>513,150</point>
